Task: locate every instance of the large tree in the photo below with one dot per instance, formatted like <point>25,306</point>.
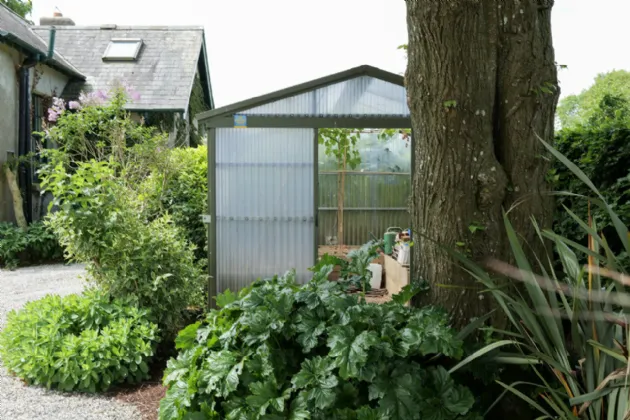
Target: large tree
<point>482,85</point>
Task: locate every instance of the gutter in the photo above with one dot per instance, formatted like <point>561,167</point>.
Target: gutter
<point>46,57</point>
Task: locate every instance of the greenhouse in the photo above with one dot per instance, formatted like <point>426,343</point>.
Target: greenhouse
<point>274,200</point>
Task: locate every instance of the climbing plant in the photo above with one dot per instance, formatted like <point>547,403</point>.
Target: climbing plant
<point>196,105</point>
<point>169,122</point>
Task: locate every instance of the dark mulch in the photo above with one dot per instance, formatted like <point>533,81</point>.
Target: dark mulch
<point>145,396</point>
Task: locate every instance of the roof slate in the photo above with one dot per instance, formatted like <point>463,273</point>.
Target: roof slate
<point>18,31</point>
<point>163,74</point>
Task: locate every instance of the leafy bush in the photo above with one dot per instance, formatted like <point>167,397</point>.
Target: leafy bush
<point>35,244</point>
<point>583,363</point>
<point>99,221</point>
<point>95,178</point>
<point>78,343</point>
<point>279,350</point>
<point>181,190</point>
<point>601,150</point>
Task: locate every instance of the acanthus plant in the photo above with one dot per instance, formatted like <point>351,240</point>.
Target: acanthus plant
<point>279,350</point>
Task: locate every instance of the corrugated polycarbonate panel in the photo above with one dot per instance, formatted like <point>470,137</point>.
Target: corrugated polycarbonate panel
<point>265,209</point>
<point>363,95</point>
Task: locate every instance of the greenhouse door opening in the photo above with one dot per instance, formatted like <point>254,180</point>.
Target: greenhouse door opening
<point>364,182</point>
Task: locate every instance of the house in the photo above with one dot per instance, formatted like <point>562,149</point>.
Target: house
<point>30,74</point>
<point>167,66</point>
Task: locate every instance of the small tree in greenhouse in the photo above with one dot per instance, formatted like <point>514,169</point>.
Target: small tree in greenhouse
<point>341,144</point>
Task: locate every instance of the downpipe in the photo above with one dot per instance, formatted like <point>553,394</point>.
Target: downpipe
<point>25,178</point>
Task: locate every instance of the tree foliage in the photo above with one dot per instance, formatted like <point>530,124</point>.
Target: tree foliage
<point>22,8</point>
<point>599,147</point>
<point>180,189</point>
<point>576,110</point>
<point>341,143</point>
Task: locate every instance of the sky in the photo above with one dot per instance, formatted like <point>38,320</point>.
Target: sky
<point>259,46</point>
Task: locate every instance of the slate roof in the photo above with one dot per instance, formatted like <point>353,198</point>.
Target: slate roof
<point>17,32</point>
<point>163,74</point>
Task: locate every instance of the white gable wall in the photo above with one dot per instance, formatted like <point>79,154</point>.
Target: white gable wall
<point>50,82</point>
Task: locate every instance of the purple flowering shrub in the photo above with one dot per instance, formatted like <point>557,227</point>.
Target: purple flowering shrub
<point>95,98</point>
<point>96,123</point>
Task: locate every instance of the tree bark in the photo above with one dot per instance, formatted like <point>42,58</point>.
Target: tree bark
<point>474,78</point>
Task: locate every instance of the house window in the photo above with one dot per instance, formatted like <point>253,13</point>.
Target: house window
<point>38,112</point>
<point>122,49</point>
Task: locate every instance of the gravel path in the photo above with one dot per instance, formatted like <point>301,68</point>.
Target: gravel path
<point>19,402</point>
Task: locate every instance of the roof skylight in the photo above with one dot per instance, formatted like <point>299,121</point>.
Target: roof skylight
<point>123,49</point>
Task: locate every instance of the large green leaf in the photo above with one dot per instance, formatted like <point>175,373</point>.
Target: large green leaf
<point>349,350</point>
<point>265,395</point>
<point>187,337</point>
<point>317,377</point>
<point>310,328</point>
<point>398,393</point>
<point>221,372</point>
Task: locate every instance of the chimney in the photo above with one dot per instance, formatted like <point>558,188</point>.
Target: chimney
<point>57,19</point>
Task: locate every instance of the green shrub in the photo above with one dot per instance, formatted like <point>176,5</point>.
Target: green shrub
<point>601,150</point>
<point>181,190</point>
<point>95,178</point>
<point>78,343</point>
<point>100,222</point>
<point>284,351</point>
<point>36,244</point>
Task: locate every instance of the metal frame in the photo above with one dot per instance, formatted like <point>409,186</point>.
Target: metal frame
<point>212,225</point>
<point>340,121</point>
<point>224,118</point>
<point>316,191</point>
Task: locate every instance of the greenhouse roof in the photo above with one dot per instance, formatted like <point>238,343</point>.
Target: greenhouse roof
<point>360,97</point>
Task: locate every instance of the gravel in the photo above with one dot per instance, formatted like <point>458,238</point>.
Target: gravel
<point>19,402</point>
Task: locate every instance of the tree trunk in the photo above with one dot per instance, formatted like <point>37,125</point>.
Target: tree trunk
<point>474,79</point>
<point>18,204</point>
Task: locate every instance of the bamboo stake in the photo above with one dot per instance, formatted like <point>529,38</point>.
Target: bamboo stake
<point>340,200</point>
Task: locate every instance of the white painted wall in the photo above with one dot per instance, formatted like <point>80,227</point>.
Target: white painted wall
<point>9,91</point>
<point>43,81</point>
<point>49,81</point>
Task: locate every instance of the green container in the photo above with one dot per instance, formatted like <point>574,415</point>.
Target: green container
<point>389,239</point>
